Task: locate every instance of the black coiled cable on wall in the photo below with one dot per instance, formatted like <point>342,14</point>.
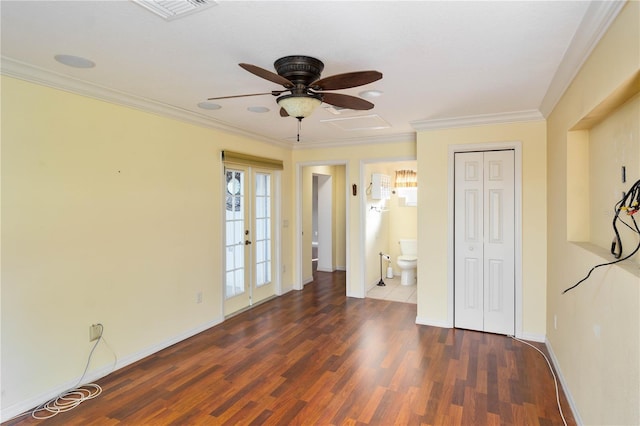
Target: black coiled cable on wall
<point>629,205</point>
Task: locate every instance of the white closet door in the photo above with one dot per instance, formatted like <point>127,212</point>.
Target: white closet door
<point>499,243</point>
<point>484,241</point>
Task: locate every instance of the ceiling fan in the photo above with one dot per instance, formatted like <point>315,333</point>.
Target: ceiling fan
<point>300,76</point>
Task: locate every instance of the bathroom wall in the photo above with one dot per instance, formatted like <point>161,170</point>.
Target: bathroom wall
<point>385,228</point>
<point>376,229</point>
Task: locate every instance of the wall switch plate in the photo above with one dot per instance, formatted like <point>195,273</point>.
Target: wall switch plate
<point>95,331</point>
<point>199,297</point>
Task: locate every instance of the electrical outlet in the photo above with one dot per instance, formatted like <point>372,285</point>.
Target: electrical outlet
<point>199,297</point>
<point>95,331</point>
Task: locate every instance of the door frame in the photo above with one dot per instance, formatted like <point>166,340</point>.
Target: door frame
<point>299,283</point>
<point>276,254</point>
<point>488,146</point>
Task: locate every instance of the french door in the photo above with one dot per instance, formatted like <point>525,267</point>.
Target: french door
<point>484,253</point>
<point>248,237</point>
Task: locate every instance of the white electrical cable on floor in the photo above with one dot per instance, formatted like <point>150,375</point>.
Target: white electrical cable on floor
<point>555,381</point>
<point>75,396</point>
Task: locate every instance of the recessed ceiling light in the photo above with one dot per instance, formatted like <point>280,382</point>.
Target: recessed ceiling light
<point>258,109</point>
<point>371,94</point>
<point>75,61</point>
<point>209,105</point>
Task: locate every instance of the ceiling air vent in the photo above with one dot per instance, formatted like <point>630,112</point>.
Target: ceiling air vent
<point>364,122</point>
<point>174,9</point>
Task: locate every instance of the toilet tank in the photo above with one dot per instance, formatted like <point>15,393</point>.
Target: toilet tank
<point>409,247</point>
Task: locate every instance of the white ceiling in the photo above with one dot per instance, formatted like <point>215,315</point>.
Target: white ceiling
<point>444,63</point>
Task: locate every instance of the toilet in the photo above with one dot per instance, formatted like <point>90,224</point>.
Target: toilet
<point>408,261</point>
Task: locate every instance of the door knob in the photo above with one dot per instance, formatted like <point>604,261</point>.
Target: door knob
<point>247,242</point>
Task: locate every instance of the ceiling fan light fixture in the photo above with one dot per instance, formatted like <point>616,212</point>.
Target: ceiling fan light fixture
<point>299,106</point>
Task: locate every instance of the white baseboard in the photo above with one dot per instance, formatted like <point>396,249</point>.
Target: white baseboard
<point>540,338</point>
<point>563,383</point>
<point>433,322</point>
<point>29,404</point>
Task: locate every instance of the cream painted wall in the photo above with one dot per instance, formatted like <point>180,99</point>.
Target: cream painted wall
<point>355,158</point>
<point>433,245</point>
<point>109,215</point>
<point>596,343</point>
<point>613,143</point>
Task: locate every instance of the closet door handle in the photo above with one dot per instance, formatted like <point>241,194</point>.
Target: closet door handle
<point>247,242</point>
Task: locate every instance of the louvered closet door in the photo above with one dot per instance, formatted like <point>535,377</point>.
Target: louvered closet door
<point>484,282</point>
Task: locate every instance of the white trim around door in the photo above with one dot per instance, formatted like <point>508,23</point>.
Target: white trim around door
<point>517,148</point>
<point>299,283</point>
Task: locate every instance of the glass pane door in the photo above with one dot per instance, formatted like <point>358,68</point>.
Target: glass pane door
<point>236,288</point>
<point>248,237</point>
<point>262,286</point>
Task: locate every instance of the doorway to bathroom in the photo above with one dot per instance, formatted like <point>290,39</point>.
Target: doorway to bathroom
<point>389,212</point>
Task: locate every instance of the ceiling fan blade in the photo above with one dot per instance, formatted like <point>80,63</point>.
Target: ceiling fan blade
<point>347,80</point>
<point>346,101</point>
<point>267,75</point>
<point>273,93</point>
<point>283,112</point>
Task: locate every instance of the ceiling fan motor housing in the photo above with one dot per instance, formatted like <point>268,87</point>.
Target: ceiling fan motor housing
<point>300,70</point>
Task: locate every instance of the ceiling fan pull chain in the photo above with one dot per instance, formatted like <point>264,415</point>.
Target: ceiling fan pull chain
<point>299,124</point>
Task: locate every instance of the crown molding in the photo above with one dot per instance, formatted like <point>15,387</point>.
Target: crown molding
<point>594,25</point>
<point>22,71</point>
<point>596,22</point>
<point>477,120</point>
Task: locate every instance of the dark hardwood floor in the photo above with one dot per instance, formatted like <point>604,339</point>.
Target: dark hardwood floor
<point>315,357</point>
